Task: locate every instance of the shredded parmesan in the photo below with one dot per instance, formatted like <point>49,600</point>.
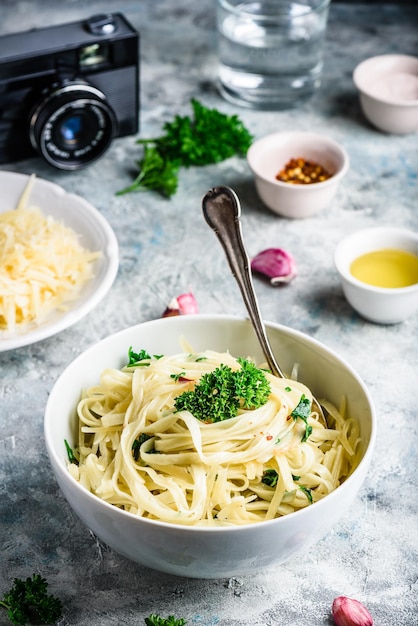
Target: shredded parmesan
<point>43,266</point>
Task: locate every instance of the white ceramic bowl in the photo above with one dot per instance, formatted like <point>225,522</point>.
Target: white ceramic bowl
<point>268,155</point>
<point>377,304</point>
<point>207,552</point>
<point>388,89</point>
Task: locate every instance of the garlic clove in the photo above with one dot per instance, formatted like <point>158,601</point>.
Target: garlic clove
<point>350,612</point>
<point>184,304</point>
<point>276,264</point>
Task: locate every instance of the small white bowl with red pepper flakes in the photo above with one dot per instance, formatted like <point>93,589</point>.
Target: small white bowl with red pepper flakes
<point>388,88</point>
<point>297,173</point>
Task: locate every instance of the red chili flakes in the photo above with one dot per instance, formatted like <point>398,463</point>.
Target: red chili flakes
<point>303,172</point>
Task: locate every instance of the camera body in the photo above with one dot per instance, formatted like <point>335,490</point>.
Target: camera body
<point>67,91</point>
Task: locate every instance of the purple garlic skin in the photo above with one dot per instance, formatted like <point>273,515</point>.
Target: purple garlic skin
<point>184,304</point>
<point>350,612</point>
<point>276,264</point>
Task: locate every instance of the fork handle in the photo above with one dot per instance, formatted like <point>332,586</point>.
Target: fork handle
<point>222,210</point>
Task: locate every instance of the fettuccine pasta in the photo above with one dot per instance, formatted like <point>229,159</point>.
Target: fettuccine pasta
<point>137,452</point>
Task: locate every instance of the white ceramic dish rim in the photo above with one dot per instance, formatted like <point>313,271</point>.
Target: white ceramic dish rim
<point>106,268</point>
<point>343,264</point>
<point>301,189</point>
<point>60,463</point>
<point>365,88</point>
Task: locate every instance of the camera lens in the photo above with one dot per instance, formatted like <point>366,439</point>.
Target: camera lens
<point>72,126</point>
<point>71,129</point>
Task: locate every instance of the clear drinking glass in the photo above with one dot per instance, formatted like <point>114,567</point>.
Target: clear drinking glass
<point>270,51</point>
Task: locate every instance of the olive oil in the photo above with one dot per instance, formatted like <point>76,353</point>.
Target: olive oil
<point>389,267</point>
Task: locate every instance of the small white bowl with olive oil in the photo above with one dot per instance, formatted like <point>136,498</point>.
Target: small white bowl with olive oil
<point>379,273</point>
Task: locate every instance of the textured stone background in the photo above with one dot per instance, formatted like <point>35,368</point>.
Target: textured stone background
<point>165,249</point>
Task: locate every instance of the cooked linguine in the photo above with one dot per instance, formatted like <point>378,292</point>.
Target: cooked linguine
<point>137,452</point>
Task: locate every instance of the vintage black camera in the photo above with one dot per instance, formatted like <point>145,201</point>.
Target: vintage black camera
<point>67,91</point>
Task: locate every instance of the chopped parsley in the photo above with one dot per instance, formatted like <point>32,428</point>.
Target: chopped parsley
<point>307,492</point>
<point>137,443</point>
<point>135,358</point>
<point>302,411</point>
<point>270,477</point>
<point>178,377</point>
<point>70,453</point>
<point>140,358</point>
<point>220,393</point>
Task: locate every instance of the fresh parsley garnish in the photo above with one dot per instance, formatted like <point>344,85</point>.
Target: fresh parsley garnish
<point>307,492</point>
<point>303,411</point>
<point>135,358</point>
<point>207,137</point>
<point>28,602</point>
<point>71,456</point>
<point>220,393</point>
<point>137,443</point>
<point>270,477</point>
<point>178,376</point>
<point>140,358</point>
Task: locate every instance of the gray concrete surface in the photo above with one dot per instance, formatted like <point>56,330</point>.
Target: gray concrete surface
<point>166,249</point>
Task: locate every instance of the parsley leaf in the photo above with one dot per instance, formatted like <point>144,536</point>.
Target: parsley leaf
<point>70,453</point>
<point>303,411</point>
<point>307,492</point>
<point>137,443</point>
<point>135,358</point>
<point>270,477</point>
<point>179,377</point>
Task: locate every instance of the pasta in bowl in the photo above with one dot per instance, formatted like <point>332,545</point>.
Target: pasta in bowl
<point>170,483</point>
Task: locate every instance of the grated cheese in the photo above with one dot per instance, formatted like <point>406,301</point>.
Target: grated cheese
<point>43,266</point>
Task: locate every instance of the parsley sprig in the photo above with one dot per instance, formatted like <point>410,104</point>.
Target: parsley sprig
<point>220,393</point>
<point>206,137</point>
<point>155,172</point>
<point>28,602</point>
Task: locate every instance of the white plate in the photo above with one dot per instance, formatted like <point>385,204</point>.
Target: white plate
<point>95,234</point>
